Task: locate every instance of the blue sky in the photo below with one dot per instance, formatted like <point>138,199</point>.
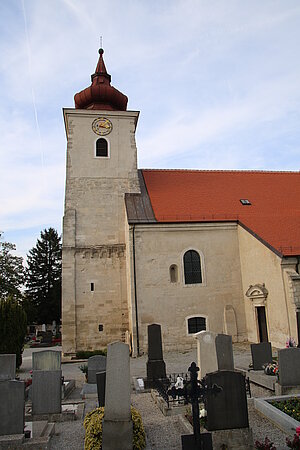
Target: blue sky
<point>217,84</point>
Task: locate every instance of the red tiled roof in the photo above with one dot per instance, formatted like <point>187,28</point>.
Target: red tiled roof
<point>214,196</point>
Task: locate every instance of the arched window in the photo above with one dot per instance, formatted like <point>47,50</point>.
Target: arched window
<point>173,273</point>
<point>192,267</point>
<point>196,324</point>
<point>101,147</point>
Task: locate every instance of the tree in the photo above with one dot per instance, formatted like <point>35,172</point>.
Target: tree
<point>43,276</point>
<point>13,327</point>
<point>11,271</point>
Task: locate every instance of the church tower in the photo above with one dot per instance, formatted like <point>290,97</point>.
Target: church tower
<point>101,168</point>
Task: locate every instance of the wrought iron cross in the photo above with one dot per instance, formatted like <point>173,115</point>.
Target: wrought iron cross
<point>193,391</point>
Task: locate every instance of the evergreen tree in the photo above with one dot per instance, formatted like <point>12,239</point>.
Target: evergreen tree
<point>13,327</point>
<point>11,271</point>
<point>43,276</point>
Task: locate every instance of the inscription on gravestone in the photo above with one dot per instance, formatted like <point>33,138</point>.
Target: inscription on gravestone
<point>156,367</point>
<point>229,408</point>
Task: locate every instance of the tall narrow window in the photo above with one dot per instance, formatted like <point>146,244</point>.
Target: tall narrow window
<point>192,267</point>
<point>173,273</point>
<point>101,147</point>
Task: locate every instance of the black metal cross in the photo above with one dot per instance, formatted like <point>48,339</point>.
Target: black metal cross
<point>193,391</point>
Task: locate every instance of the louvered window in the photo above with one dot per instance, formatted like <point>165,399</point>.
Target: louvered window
<point>196,324</point>
<point>192,267</point>
<point>101,147</point>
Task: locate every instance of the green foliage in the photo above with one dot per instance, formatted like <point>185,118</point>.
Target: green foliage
<point>13,327</point>
<point>93,430</point>
<point>85,354</point>
<point>43,277</point>
<point>290,407</point>
<point>11,271</point>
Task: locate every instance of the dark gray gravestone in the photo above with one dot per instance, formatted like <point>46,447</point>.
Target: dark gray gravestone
<point>46,391</point>
<point>96,364</point>
<point>156,367</point>
<point>261,354</point>
<point>7,367</point>
<point>101,380</point>
<point>12,404</point>
<point>289,366</point>
<point>224,352</point>
<point>227,409</point>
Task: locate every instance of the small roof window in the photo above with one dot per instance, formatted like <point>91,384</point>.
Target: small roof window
<point>245,201</point>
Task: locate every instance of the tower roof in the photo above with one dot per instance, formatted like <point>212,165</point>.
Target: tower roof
<point>100,94</point>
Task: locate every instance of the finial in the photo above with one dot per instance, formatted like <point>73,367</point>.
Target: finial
<point>101,51</point>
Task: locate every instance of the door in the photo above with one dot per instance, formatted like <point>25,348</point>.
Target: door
<point>262,324</point>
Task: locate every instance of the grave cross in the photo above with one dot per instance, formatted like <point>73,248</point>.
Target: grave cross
<point>193,391</point>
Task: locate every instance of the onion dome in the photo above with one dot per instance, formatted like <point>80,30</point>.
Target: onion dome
<point>100,94</point>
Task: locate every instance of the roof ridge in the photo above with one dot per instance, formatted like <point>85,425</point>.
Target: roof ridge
<point>296,172</point>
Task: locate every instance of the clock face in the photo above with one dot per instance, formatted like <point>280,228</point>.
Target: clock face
<point>102,126</point>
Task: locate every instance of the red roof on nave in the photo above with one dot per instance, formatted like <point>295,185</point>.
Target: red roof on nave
<point>214,196</point>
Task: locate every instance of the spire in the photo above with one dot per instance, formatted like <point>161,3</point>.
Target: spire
<point>101,95</point>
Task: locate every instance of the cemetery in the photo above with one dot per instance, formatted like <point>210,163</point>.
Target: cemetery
<point>218,396</point>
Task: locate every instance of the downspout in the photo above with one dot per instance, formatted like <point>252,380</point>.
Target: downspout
<point>135,294</point>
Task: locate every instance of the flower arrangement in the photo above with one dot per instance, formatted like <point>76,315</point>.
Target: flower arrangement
<point>290,342</point>
<point>265,445</point>
<point>291,407</point>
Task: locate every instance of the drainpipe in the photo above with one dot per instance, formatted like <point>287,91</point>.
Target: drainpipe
<point>135,293</point>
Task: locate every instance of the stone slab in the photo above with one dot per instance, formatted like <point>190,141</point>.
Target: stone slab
<point>286,423</point>
<point>227,409</point>
<point>289,366</point>
<point>261,354</point>
<point>155,351</point>
<point>7,367</point>
<point>206,352</point>
<point>156,369</point>
<point>12,407</point>
<point>117,435</point>
<point>96,364</point>
<point>46,391</point>
<point>224,352</point>
<point>101,380</point>
<point>89,391</point>
<point>46,360</point>
<point>235,439</point>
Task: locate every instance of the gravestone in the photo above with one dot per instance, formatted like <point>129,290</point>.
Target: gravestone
<point>261,354</point>
<point>46,391</point>
<point>96,364</point>
<point>289,366</point>
<point>214,352</point>
<point>117,423</point>
<point>224,352</point>
<point>228,409</point>
<point>101,380</point>
<point>46,360</point>
<point>12,406</point>
<point>47,337</point>
<point>7,367</point>
<point>156,367</point>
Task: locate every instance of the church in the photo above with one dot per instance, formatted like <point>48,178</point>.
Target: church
<point>190,250</point>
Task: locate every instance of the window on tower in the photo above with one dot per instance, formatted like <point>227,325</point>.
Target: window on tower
<point>101,148</point>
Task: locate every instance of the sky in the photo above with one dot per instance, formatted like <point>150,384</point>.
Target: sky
<point>217,84</point>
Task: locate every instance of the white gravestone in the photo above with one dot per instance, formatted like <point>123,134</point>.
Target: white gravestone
<point>117,424</point>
